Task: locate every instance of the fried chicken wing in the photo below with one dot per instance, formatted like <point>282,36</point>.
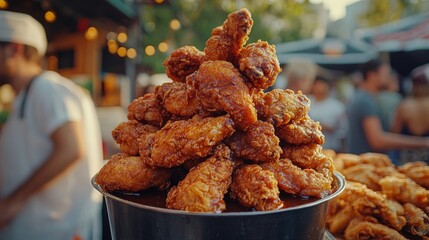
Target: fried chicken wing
<point>294,180</point>
<point>310,157</point>
<point>300,132</point>
<point>256,188</point>
<point>174,99</point>
<point>376,159</point>
<point>205,185</point>
<point>128,173</point>
<point>417,220</point>
<point>404,190</point>
<point>367,202</point>
<point>258,143</point>
<point>359,229</point>
<point>221,87</point>
<point>189,139</point>
<point>369,174</point>
<point>182,62</point>
<point>258,61</point>
<point>338,221</point>
<point>347,159</point>
<point>148,109</point>
<point>126,134</point>
<point>279,107</point>
<point>227,41</point>
<point>418,171</point>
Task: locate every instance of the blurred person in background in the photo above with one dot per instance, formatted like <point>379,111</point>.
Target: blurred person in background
<point>50,146</point>
<point>300,75</point>
<point>330,112</point>
<point>366,131</point>
<point>412,115</point>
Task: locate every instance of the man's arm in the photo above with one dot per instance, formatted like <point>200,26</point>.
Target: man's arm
<point>381,140</point>
<point>68,149</point>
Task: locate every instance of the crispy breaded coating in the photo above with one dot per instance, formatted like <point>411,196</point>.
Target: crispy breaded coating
<point>300,132</point>
<point>182,62</point>
<point>221,87</point>
<point>189,139</point>
<point>258,143</point>
<point>148,109</point>
<point>376,159</point>
<point>205,185</point>
<point>404,190</point>
<point>294,180</point>
<point>227,41</point>
<point>360,229</point>
<point>174,98</point>
<point>279,107</point>
<point>256,188</point>
<point>367,202</point>
<point>418,171</point>
<point>126,134</point>
<point>417,220</point>
<point>127,173</point>
<point>258,61</point>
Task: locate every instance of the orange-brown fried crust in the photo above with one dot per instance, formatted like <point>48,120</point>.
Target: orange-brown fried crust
<point>256,188</point>
<point>404,190</point>
<point>258,143</point>
<point>300,132</point>
<point>126,134</point>
<point>148,109</point>
<point>189,139</point>
<point>360,229</point>
<point>127,173</point>
<point>174,99</point>
<point>258,61</point>
<point>183,62</point>
<point>227,41</point>
<point>279,107</point>
<point>205,185</point>
<point>418,171</point>
<point>294,180</point>
<point>221,87</point>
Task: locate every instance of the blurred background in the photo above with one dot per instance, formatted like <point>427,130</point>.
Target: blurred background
<point>115,48</point>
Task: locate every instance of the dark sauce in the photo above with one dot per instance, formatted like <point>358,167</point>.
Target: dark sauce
<point>156,198</point>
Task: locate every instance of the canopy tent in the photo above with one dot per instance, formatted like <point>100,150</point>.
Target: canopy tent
<point>408,34</point>
<point>330,53</point>
<point>406,41</point>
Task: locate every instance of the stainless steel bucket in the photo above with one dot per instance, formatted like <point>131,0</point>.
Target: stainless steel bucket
<point>129,221</point>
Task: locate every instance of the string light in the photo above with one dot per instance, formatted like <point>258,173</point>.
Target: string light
<point>50,16</point>
<point>112,46</point>
<point>122,37</point>
<point>111,35</point>
<point>159,1</point>
<point>122,52</point>
<point>3,4</point>
<point>149,50</point>
<point>175,24</point>
<point>91,33</point>
<point>131,53</point>
<point>163,47</point>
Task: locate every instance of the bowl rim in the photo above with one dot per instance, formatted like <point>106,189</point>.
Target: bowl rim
<point>341,186</point>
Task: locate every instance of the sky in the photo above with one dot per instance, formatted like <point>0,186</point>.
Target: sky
<point>337,8</point>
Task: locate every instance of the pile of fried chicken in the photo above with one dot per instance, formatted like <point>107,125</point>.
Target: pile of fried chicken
<point>217,121</point>
<point>381,201</point>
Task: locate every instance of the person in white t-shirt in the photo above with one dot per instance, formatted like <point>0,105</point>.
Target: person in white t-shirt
<point>330,113</point>
<point>50,146</point>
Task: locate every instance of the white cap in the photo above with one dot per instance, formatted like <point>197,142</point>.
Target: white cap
<point>22,28</point>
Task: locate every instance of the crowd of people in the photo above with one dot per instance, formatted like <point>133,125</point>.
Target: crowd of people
<point>377,119</point>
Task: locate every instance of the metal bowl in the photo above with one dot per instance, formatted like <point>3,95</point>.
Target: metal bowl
<point>130,220</point>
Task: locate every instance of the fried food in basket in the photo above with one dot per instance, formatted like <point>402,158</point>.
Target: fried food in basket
<point>360,229</point>
<point>217,121</point>
<point>205,185</point>
<point>254,187</point>
<point>190,139</point>
<point>129,173</point>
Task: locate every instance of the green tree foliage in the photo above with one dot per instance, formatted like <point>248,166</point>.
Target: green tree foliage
<point>274,21</point>
<point>385,11</point>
